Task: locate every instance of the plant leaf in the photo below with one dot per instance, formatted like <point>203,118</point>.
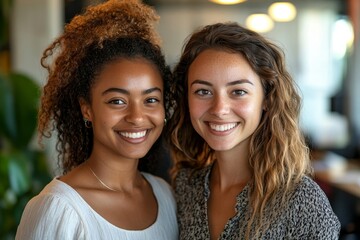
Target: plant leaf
<point>7,113</point>
<point>19,176</point>
<point>26,96</point>
<point>4,166</point>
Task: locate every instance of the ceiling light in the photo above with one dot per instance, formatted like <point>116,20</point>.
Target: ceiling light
<point>227,2</point>
<point>259,22</point>
<point>282,11</point>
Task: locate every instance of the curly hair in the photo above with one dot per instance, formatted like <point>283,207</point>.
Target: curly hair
<point>104,33</point>
<point>278,153</point>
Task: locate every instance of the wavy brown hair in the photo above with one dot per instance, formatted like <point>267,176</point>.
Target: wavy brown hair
<point>102,34</point>
<point>278,153</point>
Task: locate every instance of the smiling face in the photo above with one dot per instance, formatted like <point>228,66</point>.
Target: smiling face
<point>126,109</point>
<point>226,99</point>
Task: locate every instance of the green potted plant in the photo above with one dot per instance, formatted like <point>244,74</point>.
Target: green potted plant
<point>23,169</point>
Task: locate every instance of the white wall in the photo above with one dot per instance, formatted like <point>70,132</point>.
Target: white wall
<point>34,25</point>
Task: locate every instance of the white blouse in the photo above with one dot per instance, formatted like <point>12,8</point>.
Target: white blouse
<point>59,212</point>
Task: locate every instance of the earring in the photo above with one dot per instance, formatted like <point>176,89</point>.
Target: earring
<point>87,123</point>
<point>165,120</point>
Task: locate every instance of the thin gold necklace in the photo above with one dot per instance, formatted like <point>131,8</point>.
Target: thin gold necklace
<point>102,183</point>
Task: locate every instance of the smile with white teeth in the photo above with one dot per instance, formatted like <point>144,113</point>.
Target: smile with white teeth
<point>222,127</point>
<point>133,134</point>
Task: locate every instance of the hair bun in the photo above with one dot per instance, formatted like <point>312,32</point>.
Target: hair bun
<point>112,20</point>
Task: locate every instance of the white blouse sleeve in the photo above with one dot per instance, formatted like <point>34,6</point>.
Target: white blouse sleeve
<point>50,217</point>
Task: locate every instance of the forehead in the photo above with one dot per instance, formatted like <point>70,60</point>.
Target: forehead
<point>218,57</point>
<point>214,64</point>
<point>134,72</point>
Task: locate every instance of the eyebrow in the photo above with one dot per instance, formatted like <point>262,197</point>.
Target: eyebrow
<point>241,81</point>
<point>126,92</point>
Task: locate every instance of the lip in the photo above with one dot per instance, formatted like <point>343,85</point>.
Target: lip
<point>134,136</point>
<point>222,128</point>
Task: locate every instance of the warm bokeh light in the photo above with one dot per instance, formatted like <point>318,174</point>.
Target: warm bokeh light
<point>227,2</point>
<point>342,38</point>
<point>259,23</point>
<point>282,11</point>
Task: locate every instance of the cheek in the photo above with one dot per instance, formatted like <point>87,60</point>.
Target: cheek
<point>196,108</point>
<point>109,117</point>
<point>102,117</point>
<point>158,116</point>
<point>251,111</point>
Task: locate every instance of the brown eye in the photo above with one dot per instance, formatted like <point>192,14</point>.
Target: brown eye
<point>116,102</point>
<point>152,100</point>
<point>239,92</point>
<point>203,92</point>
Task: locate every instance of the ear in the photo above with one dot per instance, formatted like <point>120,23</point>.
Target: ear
<point>85,109</point>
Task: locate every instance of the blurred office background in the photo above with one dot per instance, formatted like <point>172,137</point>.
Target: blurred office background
<point>321,42</point>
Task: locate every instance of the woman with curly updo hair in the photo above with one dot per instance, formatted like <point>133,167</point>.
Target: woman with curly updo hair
<point>107,100</point>
<point>242,167</point>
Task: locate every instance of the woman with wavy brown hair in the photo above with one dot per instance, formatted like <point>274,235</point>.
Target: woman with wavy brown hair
<point>106,98</point>
<point>242,167</point>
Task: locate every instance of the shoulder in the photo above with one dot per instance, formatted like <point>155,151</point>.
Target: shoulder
<point>313,212</point>
<point>188,177</point>
<point>164,195</point>
<point>160,187</point>
<point>54,195</point>
<point>50,214</point>
<point>307,191</point>
<point>190,185</point>
<point>156,181</point>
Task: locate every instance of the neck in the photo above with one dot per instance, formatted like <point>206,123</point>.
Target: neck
<point>231,170</point>
<point>114,175</point>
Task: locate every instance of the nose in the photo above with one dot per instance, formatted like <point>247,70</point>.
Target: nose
<point>220,106</point>
<point>135,113</point>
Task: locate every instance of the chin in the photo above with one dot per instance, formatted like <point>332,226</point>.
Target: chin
<point>135,155</point>
<point>219,148</point>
